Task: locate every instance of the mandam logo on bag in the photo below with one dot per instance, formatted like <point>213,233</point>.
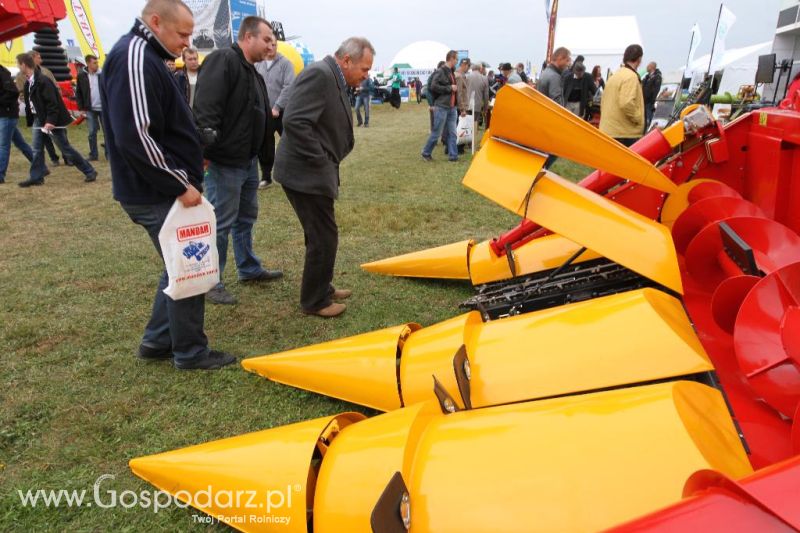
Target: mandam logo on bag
<point>196,231</point>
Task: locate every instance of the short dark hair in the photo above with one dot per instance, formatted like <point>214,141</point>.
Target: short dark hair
<point>89,57</point>
<point>452,54</point>
<point>188,51</point>
<point>560,52</point>
<point>251,25</point>
<point>633,53</point>
<point>440,64</point>
<point>26,59</point>
<point>465,61</point>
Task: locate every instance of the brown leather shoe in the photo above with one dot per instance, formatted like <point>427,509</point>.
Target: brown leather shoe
<point>328,312</point>
<point>342,294</point>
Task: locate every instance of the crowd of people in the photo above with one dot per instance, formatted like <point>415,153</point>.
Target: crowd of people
<point>210,130</point>
<point>176,133</point>
<point>625,103</point>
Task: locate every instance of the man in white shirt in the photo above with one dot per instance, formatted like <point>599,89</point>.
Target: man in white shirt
<point>88,97</point>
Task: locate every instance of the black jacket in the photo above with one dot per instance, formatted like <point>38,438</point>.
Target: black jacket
<point>47,102</point>
<point>9,95</point>
<point>83,91</point>
<point>587,89</point>
<point>317,131</point>
<point>183,83</point>
<point>651,86</point>
<point>152,143</point>
<point>231,99</point>
<point>441,87</point>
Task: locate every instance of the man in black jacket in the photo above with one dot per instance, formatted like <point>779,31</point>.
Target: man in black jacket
<point>230,106</point>
<point>87,95</point>
<point>651,85</point>
<point>578,90</point>
<point>317,136</point>
<point>187,76</point>
<point>9,115</point>
<point>444,90</point>
<point>156,158</point>
<point>52,118</point>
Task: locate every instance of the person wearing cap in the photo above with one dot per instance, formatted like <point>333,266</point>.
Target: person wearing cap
<point>578,90</point>
<point>510,74</point>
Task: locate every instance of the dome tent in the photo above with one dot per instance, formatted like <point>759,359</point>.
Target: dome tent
<point>421,55</point>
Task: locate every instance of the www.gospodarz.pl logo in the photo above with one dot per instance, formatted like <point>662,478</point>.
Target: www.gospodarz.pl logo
<point>246,506</point>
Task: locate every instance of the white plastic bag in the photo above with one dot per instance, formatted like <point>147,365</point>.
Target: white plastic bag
<point>188,241</point>
<point>464,129</point>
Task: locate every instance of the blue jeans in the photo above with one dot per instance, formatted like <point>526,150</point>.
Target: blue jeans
<point>10,134</point>
<point>362,101</point>
<point>94,120</point>
<point>234,194</point>
<point>59,136</point>
<point>444,123</point>
<point>175,323</point>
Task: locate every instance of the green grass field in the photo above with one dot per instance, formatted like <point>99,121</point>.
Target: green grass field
<point>77,280</point>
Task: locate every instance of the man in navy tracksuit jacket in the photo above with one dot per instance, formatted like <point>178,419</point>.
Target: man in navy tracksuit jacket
<point>155,156</point>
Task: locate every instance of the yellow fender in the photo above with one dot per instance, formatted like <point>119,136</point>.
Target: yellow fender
<point>626,338</point>
<point>577,463</point>
<point>525,116</point>
<point>443,262</point>
<point>332,368</point>
<point>574,212</point>
<point>621,339</point>
<point>246,480</point>
<point>581,463</point>
<point>543,253</point>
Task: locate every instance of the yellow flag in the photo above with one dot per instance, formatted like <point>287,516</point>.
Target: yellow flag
<point>9,51</point>
<point>80,13</point>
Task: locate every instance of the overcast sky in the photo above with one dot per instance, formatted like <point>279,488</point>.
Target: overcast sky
<point>492,30</point>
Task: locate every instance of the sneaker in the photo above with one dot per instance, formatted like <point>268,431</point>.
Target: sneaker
<point>331,311</point>
<point>264,275</point>
<point>154,354</point>
<point>427,158</point>
<point>213,360</point>
<point>264,184</point>
<point>92,176</point>
<point>30,182</point>
<point>219,296</point>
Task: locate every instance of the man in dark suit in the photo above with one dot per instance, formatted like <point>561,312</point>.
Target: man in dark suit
<point>43,100</point>
<point>318,135</point>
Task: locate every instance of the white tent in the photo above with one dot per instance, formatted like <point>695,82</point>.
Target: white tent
<point>601,40</point>
<point>738,66</point>
<point>421,55</point>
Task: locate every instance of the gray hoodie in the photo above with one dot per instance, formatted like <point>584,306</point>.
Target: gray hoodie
<point>279,77</point>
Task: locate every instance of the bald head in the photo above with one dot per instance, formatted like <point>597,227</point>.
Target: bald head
<point>166,9</point>
<point>172,23</point>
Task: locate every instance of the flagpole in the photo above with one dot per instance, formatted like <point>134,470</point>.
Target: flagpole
<point>714,43</point>
<point>551,36</point>
<point>689,54</point>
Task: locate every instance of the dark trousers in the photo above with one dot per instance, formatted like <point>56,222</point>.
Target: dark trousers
<point>267,161</point>
<point>59,136</point>
<point>627,142</point>
<point>318,219</point>
<point>176,323</point>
